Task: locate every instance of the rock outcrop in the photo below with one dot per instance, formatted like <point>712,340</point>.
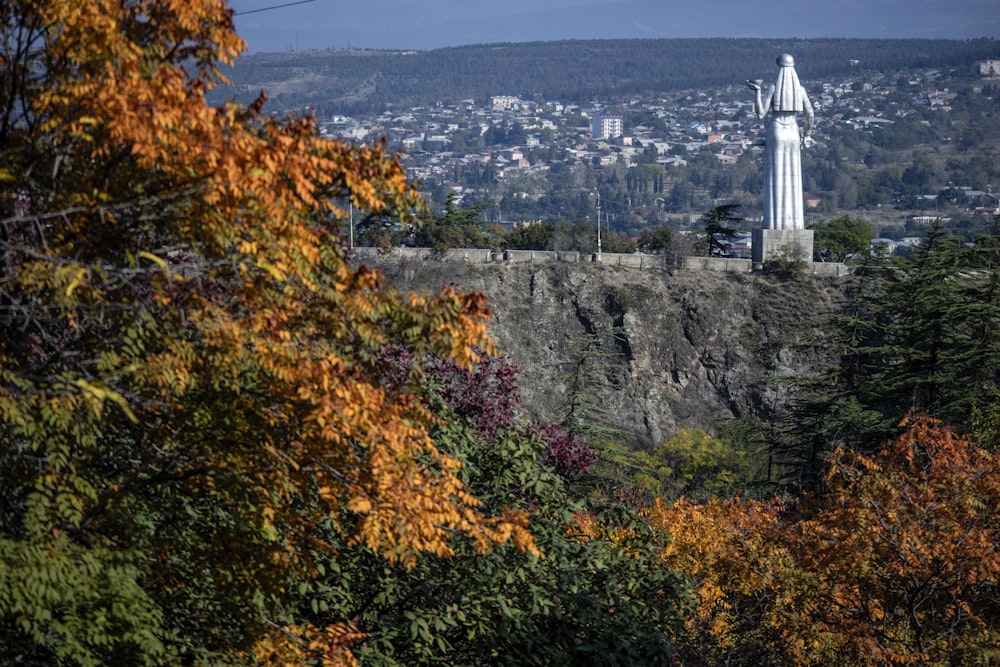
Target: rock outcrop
<point>657,351</point>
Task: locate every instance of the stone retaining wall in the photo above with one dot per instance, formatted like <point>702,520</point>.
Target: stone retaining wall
<point>631,260</point>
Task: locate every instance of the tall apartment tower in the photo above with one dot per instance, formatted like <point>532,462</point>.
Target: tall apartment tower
<point>607,126</point>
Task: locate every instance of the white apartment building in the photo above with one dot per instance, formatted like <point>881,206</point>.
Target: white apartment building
<point>504,102</point>
<point>607,126</point>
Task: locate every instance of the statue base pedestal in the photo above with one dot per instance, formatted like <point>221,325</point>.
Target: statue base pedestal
<point>781,243</point>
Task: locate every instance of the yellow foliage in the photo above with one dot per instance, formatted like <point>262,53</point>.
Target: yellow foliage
<point>292,646</point>
<point>260,186</point>
<point>271,342</point>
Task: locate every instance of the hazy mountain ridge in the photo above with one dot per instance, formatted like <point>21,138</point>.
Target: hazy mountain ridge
<point>578,69</point>
<point>389,24</point>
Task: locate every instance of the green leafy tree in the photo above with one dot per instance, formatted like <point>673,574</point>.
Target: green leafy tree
<point>660,239</point>
<point>703,466</point>
<point>598,595</point>
<point>664,240</point>
<point>691,463</point>
<point>454,228</point>
<point>579,236</point>
<point>843,237</point>
<point>531,236</point>
<point>615,241</point>
<point>381,229</point>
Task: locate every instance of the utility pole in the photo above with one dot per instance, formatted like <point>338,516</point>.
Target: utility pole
<point>598,223</point>
<point>351,240</point>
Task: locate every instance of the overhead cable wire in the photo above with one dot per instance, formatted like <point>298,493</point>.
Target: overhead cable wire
<point>264,9</point>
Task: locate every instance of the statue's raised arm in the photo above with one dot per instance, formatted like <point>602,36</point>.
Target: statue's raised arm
<point>759,105</point>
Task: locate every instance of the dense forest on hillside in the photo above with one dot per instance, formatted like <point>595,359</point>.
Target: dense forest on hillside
<point>573,70</point>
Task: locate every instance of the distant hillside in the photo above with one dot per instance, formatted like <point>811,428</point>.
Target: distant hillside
<point>346,81</point>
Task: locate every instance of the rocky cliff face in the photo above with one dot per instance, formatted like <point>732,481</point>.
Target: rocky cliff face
<point>656,351</point>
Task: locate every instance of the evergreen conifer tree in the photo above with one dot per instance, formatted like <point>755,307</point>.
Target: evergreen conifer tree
<point>920,334</point>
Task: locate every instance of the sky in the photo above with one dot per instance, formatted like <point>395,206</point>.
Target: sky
<point>430,24</point>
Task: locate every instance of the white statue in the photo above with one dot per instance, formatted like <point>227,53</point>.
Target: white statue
<point>780,108</point>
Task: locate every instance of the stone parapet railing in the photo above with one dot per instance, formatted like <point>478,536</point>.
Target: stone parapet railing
<point>635,260</point>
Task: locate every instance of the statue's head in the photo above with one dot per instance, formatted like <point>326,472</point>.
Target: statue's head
<point>785,60</point>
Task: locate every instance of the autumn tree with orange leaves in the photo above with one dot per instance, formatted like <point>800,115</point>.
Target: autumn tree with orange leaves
<point>188,366</point>
<point>898,565</point>
<point>908,547</point>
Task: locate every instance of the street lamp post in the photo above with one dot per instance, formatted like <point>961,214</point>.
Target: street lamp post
<point>598,223</point>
